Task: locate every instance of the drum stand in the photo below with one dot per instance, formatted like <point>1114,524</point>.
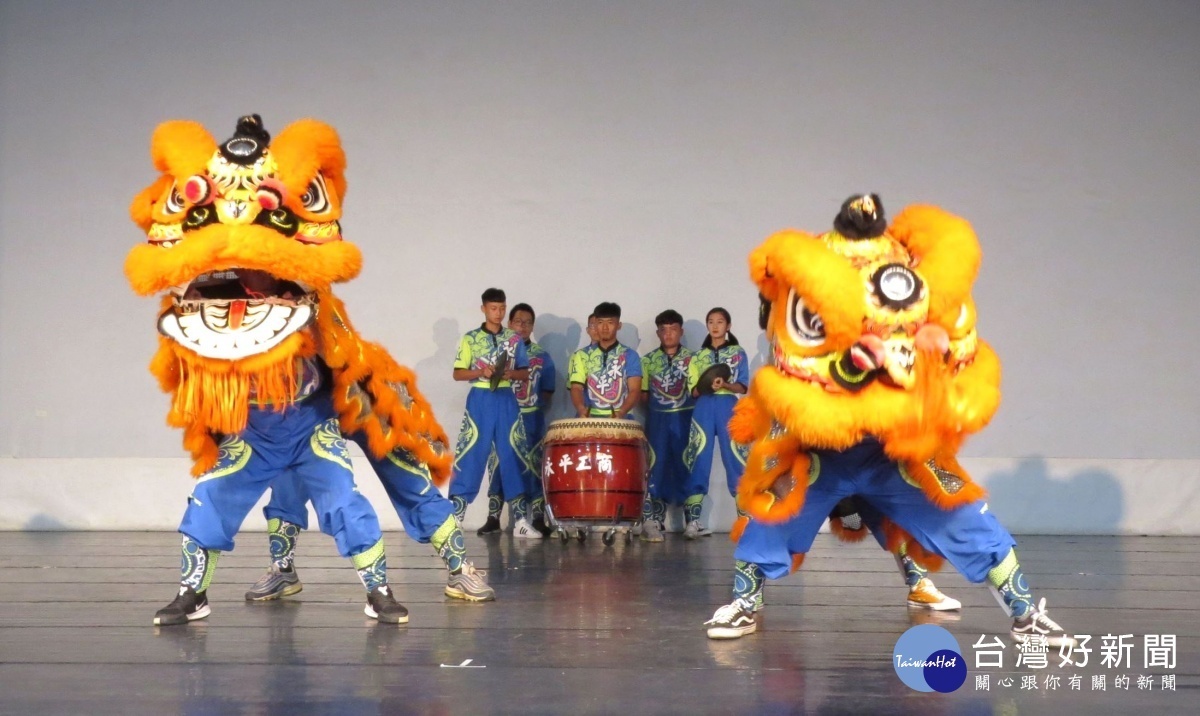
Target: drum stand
<point>580,528</point>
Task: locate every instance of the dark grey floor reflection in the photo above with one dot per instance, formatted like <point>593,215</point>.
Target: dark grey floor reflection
<point>578,629</point>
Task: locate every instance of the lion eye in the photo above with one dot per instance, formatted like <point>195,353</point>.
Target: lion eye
<point>174,203</point>
<point>804,325</point>
<point>316,198</point>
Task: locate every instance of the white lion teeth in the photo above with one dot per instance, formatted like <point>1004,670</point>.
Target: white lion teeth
<point>263,327</point>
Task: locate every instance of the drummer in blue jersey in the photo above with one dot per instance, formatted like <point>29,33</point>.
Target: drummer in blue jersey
<point>533,397</point>
<point>605,376</point>
<point>490,358</point>
<point>669,405</point>
<point>715,399</point>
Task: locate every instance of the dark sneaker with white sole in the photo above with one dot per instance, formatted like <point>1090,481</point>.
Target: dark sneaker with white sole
<point>187,607</point>
<point>732,620</point>
<point>491,527</point>
<point>382,606</point>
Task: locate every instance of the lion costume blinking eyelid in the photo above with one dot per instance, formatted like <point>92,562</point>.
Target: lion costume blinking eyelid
<point>873,335</point>
<point>244,239</point>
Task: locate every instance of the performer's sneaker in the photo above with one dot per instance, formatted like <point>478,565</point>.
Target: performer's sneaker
<point>274,584</point>
<point>469,585</point>
<point>187,607</point>
<point>651,532</point>
<point>924,595</point>
<point>694,529</point>
<point>539,524</point>
<point>524,530</point>
<point>1036,623</point>
<point>732,620</point>
<point>492,526</point>
<point>382,606</point>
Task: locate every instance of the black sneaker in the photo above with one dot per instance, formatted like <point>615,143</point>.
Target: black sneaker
<point>381,605</point>
<point>188,606</point>
<point>492,526</point>
<point>539,524</point>
<point>732,620</point>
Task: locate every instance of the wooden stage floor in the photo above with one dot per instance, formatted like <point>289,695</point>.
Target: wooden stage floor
<point>578,628</point>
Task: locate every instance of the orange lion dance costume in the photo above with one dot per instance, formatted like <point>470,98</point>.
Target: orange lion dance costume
<point>266,373</point>
<point>878,377</point>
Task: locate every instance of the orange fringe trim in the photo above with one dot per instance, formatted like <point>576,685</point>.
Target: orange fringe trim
<point>797,560</point>
<point>213,396</point>
<point>739,528</point>
<point>366,395</point>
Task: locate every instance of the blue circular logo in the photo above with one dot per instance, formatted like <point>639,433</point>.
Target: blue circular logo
<point>927,658</point>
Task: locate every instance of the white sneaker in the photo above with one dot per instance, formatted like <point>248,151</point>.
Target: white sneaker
<point>524,530</point>
<point>1037,624</point>
<point>651,532</point>
<point>732,621</point>
<point>694,529</point>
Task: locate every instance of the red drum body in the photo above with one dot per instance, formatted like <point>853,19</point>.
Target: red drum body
<point>595,470</point>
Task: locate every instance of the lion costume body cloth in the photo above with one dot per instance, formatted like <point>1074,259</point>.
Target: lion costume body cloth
<point>873,334</point>
<point>244,240</point>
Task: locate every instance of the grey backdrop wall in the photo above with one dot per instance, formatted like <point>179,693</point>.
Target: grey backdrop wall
<point>574,152</point>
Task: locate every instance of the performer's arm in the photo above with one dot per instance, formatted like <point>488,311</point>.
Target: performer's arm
<point>631,399</point>
<point>463,362</point>
<point>577,400</point>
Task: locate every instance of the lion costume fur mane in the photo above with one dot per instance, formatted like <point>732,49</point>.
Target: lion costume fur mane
<point>244,239</point>
<point>898,299</point>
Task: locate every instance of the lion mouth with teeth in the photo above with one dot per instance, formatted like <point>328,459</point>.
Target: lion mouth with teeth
<point>244,243</point>
<point>237,312</point>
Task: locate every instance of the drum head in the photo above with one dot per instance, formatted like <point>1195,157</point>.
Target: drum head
<point>575,429</point>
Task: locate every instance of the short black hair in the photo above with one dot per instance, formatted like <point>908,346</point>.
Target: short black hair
<point>608,309</point>
<point>494,295</point>
<point>667,318</point>
<point>512,312</point>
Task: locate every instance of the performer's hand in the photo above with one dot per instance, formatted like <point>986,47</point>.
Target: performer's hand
<point>581,413</point>
<point>718,384</point>
<point>487,371</point>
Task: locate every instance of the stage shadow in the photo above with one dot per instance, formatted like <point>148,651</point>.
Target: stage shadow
<point>1027,498</point>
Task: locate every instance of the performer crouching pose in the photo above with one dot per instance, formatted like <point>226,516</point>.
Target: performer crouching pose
<point>878,377</point>
<point>264,369</point>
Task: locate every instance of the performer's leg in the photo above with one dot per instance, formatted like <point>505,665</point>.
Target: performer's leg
<point>675,489</point>
<point>220,501</point>
<point>511,447</point>
<point>658,436</point>
<point>922,592</point>
<point>535,430</point>
<point>733,455</point>
<point>471,452</point>
<point>770,552</point>
<point>428,518</point>
<point>971,539</point>
<point>287,516</point>
<point>344,514</point>
<point>697,458</point>
<point>465,581</point>
<point>495,495</point>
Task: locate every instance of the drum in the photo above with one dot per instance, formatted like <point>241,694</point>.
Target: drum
<point>595,470</point>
